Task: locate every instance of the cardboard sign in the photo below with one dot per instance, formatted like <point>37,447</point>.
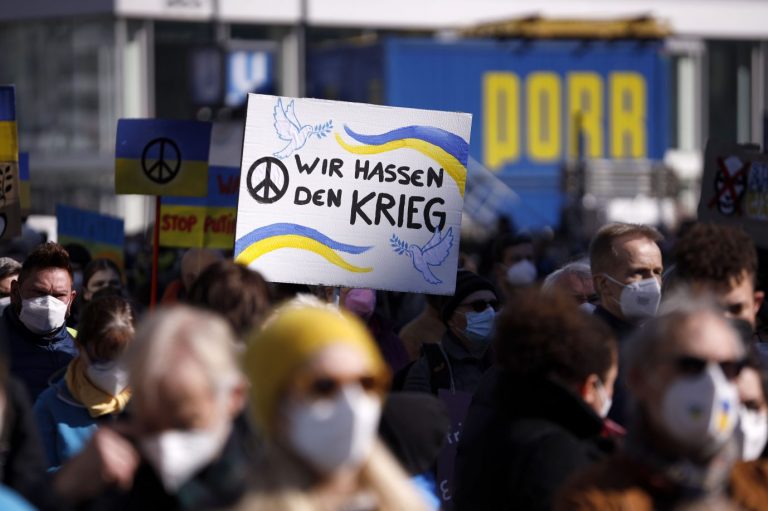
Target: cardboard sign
<point>353,195</point>
<point>734,189</point>
<point>158,157</point>
<point>102,235</point>
<point>10,208</point>
<point>205,221</point>
<point>25,194</point>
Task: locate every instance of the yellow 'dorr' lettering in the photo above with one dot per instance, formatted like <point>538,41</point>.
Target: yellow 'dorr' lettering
<point>267,245</point>
<point>585,112</point>
<point>501,115</point>
<point>447,161</point>
<point>628,115</point>
<point>543,92</point>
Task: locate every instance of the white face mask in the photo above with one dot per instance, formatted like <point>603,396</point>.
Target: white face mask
<point>337,432</point>
<point>44,314</point>
<point>701,411</point>
<point>639,300</point>
<point>522,273</point>
<point>177,455</point>
<point>752,433</point>
<point>604,398</point>
<point>111,377</point>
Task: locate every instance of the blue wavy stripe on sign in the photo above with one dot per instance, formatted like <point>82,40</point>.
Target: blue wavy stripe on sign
<point>192,137</point>
<point>284,228</point>
<point>447,141</point>
<point>7,103</point>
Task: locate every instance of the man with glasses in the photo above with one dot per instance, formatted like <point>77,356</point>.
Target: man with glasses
<point>681,370</point>
<point>460,359</point>
<point>626,270</point>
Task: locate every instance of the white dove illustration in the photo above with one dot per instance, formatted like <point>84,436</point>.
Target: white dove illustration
<point>432,254</point>
<point>289,128</point>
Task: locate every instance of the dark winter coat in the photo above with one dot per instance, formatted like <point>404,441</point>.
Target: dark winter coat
<point>521,440</point>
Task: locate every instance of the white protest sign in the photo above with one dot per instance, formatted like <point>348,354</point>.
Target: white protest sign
<point>353,195</point>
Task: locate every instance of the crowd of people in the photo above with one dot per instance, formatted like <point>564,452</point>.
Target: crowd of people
<point>631,378</point>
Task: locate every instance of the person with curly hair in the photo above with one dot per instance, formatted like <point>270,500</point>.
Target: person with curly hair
<point>721,260</point>
<point>538,417</point>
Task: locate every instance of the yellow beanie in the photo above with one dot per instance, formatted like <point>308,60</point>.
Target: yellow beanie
<point>290,340</point>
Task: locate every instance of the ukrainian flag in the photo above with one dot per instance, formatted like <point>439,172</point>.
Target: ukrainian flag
<point>9,138</point>
<point>24,191</point>
<point>162,157</point>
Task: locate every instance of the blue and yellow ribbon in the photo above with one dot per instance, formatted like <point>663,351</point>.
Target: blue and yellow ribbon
<point>449,150</point>
<point>272,237</point>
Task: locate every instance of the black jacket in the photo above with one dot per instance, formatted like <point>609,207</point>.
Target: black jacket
<point>520,441</point>
<point>622,330</point>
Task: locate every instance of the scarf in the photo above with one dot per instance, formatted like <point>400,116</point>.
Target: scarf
<point>93,398</point>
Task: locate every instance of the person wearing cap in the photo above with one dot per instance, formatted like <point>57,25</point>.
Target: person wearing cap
<point>462,356</point>
<point>9,272</point>
<point>318,382</point>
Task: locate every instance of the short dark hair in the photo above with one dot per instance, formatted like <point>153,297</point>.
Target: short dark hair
<point>715,253</point>
<point>237,293</point>
<point>47,255</point>
<point>509,240</point>
<point>540,336</point>
<point>601,249</point>
<point>106,326</point>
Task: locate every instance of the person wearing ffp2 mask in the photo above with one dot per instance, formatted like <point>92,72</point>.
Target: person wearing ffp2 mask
<point>95,386</point>
<point>34,324</point>
<point>186,445</point>
<point>682,371</point>
<point>317,386</point>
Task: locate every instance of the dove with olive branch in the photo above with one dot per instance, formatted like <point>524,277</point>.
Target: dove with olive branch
<point>289,129</point>
<point>434,253</point>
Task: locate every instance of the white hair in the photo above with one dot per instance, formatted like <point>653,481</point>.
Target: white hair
<point>579,268</point>
<point>170,333</point>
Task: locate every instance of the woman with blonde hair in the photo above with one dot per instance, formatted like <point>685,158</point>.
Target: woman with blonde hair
<point>318,382</point>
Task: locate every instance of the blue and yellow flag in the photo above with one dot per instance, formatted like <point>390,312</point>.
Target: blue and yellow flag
<point>9,139</point>
<point>161,157</point>
<point>24,190</point>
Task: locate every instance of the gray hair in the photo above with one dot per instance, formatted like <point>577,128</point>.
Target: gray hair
<point>579,268</point>
<point>9,267</point>
<point>641,350</point>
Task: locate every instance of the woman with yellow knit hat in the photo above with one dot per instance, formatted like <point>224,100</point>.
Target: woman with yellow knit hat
<point>317,387</point>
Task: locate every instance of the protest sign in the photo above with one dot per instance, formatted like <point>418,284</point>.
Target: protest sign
<point>734,189</point>
<point>195,222</point>
<point>102,235</point>
<point>10,208</point>
<point>160,157</point>
<point>353,195</point>
<point>25,198</point>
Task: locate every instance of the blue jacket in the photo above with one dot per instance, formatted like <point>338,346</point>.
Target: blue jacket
<point>65,425</point>
<point>35,359</point>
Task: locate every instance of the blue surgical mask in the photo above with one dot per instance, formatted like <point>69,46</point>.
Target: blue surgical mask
<point>480,325</point>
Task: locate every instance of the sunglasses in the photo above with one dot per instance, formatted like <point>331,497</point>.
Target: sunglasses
<point>326,387</point>
<point>693,366</point>
<point>481,305</point>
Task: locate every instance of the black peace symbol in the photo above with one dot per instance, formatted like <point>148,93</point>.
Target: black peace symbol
<point>266,191</point>
<point>166,166</point>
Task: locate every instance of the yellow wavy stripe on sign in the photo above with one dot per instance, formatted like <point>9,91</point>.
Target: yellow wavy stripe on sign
<point>447,161</point>
<point>267,245</point>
